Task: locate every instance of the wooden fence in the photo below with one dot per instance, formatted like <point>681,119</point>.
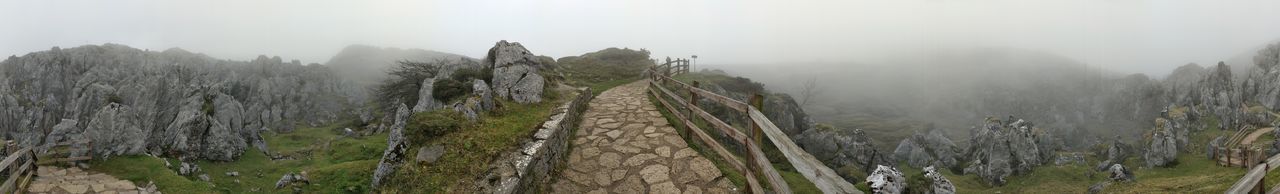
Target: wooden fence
<point>672,67</point>
<point>65,152</point>
<point>18,168</point>
<point>755,164</point>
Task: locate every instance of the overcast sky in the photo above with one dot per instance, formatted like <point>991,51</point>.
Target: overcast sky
<point>1128,36</point>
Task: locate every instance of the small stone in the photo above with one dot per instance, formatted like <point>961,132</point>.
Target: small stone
<point>686,152</point>
<point>631,184</point>
<point>675,141</point>
<point>610,160</point>
<point>618,174</point>
<point>98,187</point>
<point>663,151</point>
<point>704,168</point>
<point>579,178</point>
<point>233,173</point>
<point>650,129</point>
<point>429,154</point>
<point>74,189</point>
<point>204,177</point>
<point>613,134</point>
<point>639,159</point>
<point>603,179</point>
<point>664,188</point>
<point>598,191</point>
<point>690,189</point>
<point>590,152</point>
<point>655,173</point>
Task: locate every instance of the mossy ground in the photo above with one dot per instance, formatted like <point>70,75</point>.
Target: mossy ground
<point>334,165</point>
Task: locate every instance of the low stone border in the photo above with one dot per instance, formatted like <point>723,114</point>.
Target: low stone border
<point>530,165</point>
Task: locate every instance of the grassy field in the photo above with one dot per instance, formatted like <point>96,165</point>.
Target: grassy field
<point>334,165</point>
<point>470,149</point>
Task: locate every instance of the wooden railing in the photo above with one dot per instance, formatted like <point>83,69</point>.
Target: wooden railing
<point>755,164</point>
<point>674,67</point>
<point>18,168</point>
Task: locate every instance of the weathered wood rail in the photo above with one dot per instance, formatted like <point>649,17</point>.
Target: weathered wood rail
<point>759,126</point>
<point>1248,156</point>
<point>18,168</point>
<point>672,67</point>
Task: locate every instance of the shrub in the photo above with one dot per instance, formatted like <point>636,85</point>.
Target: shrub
<point>428,125</point>
<point>446,90</point>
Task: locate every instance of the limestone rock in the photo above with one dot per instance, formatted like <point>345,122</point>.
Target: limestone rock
<point>999,149</point>
<point>1120,174</point>
<point>839,148</point>
<point>429,154</point>
<point>930,148</point>
<point>886,180</point>
<point>515,72</point>
<point>426,102</point>
<point>1162,147</point>
<point>939,184</point>
<point>396,146</point>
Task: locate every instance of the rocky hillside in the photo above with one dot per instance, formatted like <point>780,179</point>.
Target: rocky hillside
<point>174,102</point>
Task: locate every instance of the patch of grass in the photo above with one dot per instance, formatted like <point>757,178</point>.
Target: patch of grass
<point>469,150</point>
<point>334,165</point>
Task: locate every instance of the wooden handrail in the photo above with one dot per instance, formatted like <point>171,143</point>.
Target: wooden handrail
<point>752,182</point>
<point>806,164</point>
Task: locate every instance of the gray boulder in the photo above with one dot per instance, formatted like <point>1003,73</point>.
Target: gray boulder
<point>840,148</point>
<point>114,131</point>
<point>66,130</point>
<point>1120,174</point>
<point>425,101</point>
<point>1117,153</point>
<point>886,180</point>
<point>1162,147</point>
<point>396,146</point>
<point>429,154</point>
<point>999,149</point>
<point>930,148</point>
<point>515,72</point>
<point>938,184</point>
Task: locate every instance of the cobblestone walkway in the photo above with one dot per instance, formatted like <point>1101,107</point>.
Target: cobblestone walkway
<point>624,145</point>
<point>51,179</point>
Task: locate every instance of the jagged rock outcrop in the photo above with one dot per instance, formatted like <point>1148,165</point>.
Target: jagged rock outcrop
<point>397,144</point>
<point>515,72</point>
<point>181,104</point>
<point>930,148</point>
<point>114,125</point>
<point>886,180</point>
<point>1218,95</point>
<point>838,148</point>
<point>1117,153</point>
<point>999,149</point>
<point>938,184</point>
<point>1262,85</point>
<point>1162,145</point>
<point>426,102</point>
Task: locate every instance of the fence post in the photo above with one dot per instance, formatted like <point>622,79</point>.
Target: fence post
<point>693,103</point>
<point>751,161</point>
<point>756,101</point>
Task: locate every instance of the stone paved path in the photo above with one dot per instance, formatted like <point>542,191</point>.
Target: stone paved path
<point>52,179</point>
<point>624,145</point>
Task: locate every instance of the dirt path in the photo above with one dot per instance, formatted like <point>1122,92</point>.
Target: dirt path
<point>1254,136</point>
<point>624,145</point>
<point>52,179</point>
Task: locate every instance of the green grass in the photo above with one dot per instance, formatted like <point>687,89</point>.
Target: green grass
<point>334,165</point>
<point>470,150</point>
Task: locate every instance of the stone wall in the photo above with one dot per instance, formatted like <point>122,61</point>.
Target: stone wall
<point>523,169</point>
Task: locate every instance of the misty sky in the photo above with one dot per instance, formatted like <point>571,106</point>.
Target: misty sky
<point>1128,36</point>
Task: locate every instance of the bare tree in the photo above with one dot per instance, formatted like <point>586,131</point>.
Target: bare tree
<point>808,91</point>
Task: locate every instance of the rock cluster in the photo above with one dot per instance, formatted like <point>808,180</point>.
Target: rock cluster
<point>291,178</point>
<point>1117,153</point>
<point>886,180</point>
<point>839,148</point>
<point>130,101</point>
<point>930,148</point>
<point>999,149</point>
<point>1162,145</point>
<point>515,72</point>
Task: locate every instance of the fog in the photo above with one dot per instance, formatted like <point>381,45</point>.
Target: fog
<point>1149,37</point>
